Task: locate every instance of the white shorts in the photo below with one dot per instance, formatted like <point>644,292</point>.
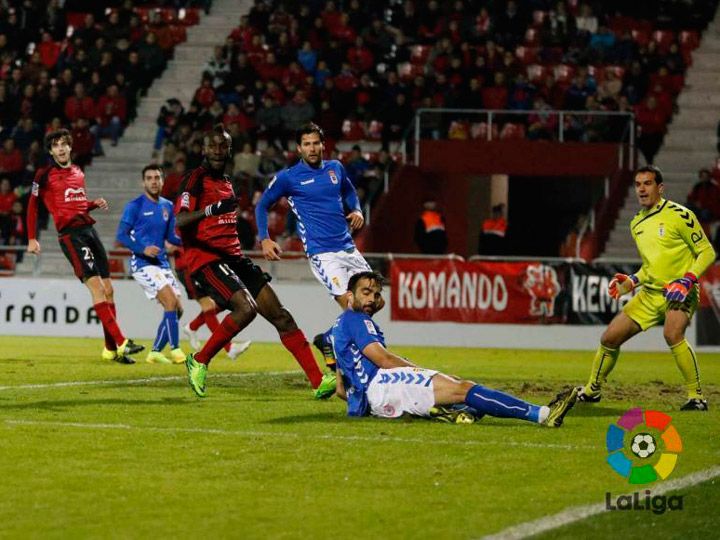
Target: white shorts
<point>154,278</point>
<point>334,269</point>
<point>395,391</point>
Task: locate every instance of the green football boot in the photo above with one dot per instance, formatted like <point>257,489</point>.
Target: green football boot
<point>327,386</point>
<point>560,406</point>
<point>196,374</point>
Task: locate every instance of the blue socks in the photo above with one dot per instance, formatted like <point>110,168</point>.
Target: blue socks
<point>495,403</point>
<point>167,332</point>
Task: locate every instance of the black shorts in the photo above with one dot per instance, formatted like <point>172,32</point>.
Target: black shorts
<point>193,290</point>
<point>84,250</point>
<point>221,279</point>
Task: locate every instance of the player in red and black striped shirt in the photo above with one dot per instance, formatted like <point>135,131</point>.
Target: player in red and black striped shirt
<point>61,186</point>
<point>206,211</point>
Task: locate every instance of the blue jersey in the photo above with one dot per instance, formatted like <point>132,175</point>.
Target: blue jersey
<point>147,223</point>
<point>353,331</point>
<point>319,198</point>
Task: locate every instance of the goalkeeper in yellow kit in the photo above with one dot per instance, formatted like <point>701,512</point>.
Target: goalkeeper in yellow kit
<point>675,252</point>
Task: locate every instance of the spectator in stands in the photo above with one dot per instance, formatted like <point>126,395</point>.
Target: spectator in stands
<point>493,240</point>
<point>83,143</point>
<point>586,22</point>
<point>296,113</point>
<point>151,56</point>
<point>356,165</point>
<point>7,199</point>
<point>218,67</point>
<point>246,161</point>
<point>542,125</point>
<point>24,133</point>
<point>704,199</point>
<point>79,105</point>
<point>651,122</point>
<point>171,185</point>
<point>396,116</point>
<point>11,160</point>
<point>430,235</point>
<point>170,114</point>
<point>270,163</point>
<point>111,115</point>
<point>18,236</point>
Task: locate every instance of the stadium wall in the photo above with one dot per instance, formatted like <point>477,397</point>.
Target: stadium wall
<point>62,307</point>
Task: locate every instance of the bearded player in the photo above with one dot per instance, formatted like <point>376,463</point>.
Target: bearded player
<point>675,252</point>
<point>61,186</point>
<point>207,219</point>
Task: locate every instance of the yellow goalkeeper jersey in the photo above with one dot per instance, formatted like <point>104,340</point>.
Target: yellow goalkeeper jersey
<point>671,242</point>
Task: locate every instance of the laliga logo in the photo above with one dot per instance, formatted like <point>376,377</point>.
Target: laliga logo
<point>643,446</point>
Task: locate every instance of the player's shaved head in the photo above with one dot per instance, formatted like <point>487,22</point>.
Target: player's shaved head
<point>651,169</point>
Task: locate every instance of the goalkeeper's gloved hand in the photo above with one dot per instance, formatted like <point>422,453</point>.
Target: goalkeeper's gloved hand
<point>678,290</point>
<point>621,284</point>
<point>221,207</point>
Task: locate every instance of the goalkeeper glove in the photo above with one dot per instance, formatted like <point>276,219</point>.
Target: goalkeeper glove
<point>678,290</point>
<point>621,284</point>
<point>224,206</point>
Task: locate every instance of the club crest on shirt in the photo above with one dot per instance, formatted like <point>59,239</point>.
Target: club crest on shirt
<point>166,214</point>
<point>333,177</point>
<point>661,230</point>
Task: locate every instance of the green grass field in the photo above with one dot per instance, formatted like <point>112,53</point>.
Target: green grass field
<point>93,449</point>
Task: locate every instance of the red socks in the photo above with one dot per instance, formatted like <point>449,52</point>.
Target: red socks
<point>197,322</point>
<point>222,335</point>
<point>299,347</point>
<point>212,323</point>
<point>106,313</point>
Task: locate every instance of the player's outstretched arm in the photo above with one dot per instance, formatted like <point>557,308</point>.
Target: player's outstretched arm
<point>383,358</point>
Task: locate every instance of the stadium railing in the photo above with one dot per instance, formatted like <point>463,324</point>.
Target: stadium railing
<point>497,124</point>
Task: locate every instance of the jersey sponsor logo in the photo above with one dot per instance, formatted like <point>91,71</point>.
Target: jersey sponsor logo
<point>185,200</point>
<point>333,177</point>
<point>35,189</point>
<point>166,214</point>
<point>370,328</point>
<point>75,194</point>
<point>661,230</point>
<point>148,213</point>
<point>306,182</point>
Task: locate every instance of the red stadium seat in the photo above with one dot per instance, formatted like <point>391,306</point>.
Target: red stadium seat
<point>419,54</point>
<point>527,55</point>
<point>75,18</point>
<point>512,131</point>
<point>117,267</point>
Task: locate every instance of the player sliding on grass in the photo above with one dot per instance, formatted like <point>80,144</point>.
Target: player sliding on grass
<point>375,381</point>
<point>61,186</point>
<point>147,223</point>
<point>675,252</point>
<point>327,209</point>
<point>207,220</point>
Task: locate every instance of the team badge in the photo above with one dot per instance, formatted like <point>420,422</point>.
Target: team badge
<point>166,214</point>
<point>661,230</point>
<point>333,177</point>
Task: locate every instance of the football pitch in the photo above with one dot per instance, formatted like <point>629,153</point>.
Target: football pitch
<point>93,449</point>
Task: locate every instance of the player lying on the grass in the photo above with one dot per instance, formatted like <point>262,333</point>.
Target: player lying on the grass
<point>61,186</point>
<point>328,211</point>
<point>147,223</point>
<point>376,381</point>
<point>208,312</point>
<point>207,220</point>
<point>675,252</point>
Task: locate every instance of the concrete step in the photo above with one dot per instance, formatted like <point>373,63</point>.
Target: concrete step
<point>678,160</point>
<point>698,98</point>
<point>706,60</point>
<point>691,138</point>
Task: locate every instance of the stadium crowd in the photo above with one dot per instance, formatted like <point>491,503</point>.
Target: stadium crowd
<point>362,69</point>
<point>75,64</point>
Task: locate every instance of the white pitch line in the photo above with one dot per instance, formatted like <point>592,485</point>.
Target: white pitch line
<point>240,433</point>
<point>146,380</point>
<point>578,513</point>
